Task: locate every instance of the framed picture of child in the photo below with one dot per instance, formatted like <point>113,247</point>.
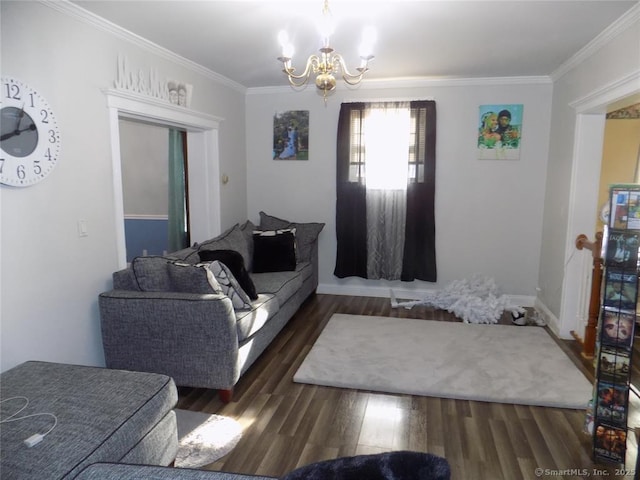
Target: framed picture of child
<point>499,132</point>
<point>291,135</point>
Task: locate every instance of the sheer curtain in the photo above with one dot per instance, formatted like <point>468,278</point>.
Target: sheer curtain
<point>385,191</point>
<point>177,224</point>
<point>386,143</point>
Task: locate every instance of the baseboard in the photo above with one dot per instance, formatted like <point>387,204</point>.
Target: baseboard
<point>551,320</point>
<point>400,293</point>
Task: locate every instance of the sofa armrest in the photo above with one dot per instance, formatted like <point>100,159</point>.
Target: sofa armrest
<point>190,337</point>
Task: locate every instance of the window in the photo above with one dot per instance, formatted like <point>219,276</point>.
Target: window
<point>385,176</point>
<point>415,146</point>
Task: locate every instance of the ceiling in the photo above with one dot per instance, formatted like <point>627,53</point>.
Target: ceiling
<point>416,39</point>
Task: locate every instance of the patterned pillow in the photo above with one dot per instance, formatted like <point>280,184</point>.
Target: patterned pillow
<point>230,286</point>
<point>235,262</point>
<point>189,278</point>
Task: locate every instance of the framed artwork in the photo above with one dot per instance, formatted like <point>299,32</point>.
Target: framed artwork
<point>499,132</point>
<point>291,135</point>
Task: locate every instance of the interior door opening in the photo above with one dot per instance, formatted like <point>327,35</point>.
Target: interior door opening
<point>155,188</point>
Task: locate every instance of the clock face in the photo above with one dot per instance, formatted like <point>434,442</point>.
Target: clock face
<point>29,135</point>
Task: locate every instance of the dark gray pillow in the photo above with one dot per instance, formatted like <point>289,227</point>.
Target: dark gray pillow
<point>189,278</point>
<point>306,233</point>
<point>232,239</point>
<point>151,273</point>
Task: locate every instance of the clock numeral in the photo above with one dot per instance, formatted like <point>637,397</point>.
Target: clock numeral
<point>31,97</point>
<point>52,136</point>
<point>13,91</point>
<point>20,172</point>
<point>48,154</point>
<point>1,164</point>
<point>37,169</point>
<point>45,115</point>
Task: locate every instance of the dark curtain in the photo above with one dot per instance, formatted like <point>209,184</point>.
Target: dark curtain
<point>351,207</point>
<point>419,261</point>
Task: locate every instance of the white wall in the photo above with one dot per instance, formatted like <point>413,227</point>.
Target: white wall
<point>488,213</point>
<point>608,70</point>
<point>51,277</point>
<point>144,157</point>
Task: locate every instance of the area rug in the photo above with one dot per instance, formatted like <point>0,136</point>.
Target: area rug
<point>492,363</point>
<point>204,438</point>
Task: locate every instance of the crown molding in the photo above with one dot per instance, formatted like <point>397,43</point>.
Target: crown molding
<point>597,101</point>
<point>371,84</point>
<point>623,23</point>
<point>89,18</point>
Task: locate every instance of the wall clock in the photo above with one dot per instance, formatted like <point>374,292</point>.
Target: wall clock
<point>29,135</point>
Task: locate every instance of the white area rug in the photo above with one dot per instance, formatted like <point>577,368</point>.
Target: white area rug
<point>204,438</point>
<point>493,363</point>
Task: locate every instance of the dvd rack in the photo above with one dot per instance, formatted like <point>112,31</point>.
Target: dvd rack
<point>616,324</point>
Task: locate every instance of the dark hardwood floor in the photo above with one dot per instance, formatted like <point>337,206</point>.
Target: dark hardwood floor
<point>287,425</point>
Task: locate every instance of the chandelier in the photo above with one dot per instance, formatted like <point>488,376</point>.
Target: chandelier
<point>328,63</point>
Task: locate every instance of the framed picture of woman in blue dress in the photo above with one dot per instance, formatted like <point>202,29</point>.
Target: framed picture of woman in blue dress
<point>291,135</point>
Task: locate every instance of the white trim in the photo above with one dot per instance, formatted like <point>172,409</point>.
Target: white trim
<point>550,319</point>
<point>140,107</point>
<point>135,216</point>
<point>372,83</point>
<point>616,28</point>
<point>204,160</point>
<point>89,18</point>
<point>597,101</point>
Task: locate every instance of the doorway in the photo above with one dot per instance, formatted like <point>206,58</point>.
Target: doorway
<point>154,187</point>
<point>203,175</point>
<point>589,134</point>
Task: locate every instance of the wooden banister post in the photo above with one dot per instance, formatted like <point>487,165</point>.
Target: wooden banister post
<point>589,340</point>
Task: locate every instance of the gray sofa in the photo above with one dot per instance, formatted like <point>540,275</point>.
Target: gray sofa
<point>152,322</point>
<point>83,415</point>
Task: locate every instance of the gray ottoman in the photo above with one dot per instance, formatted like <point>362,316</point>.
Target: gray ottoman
<point>102,416</point>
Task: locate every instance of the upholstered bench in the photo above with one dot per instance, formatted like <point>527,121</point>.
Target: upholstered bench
<point>87,415</point>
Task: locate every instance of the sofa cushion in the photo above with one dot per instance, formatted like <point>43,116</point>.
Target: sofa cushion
<point>306,233</point>
<point>281,284</point>
<point>114,471</point>
<point>151,273</point>
<point>187,278</point>
<point>102,415</point>
<point>274,250</point>
<point>230,286</point>
<point>232,239</point>
<point>262,310</point>
<point>235,262</point>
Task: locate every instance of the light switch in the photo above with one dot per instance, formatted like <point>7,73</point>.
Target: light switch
<point>83,230</point>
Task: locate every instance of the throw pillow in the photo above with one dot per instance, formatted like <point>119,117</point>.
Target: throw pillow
<point>247,229</point>
<point>274,250</point>
<point>151,273</point>
<point>189,278</point>
<point>235,262</point>
<point>230,286</point>
<point>232,239</point>
<point>306,233</point>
